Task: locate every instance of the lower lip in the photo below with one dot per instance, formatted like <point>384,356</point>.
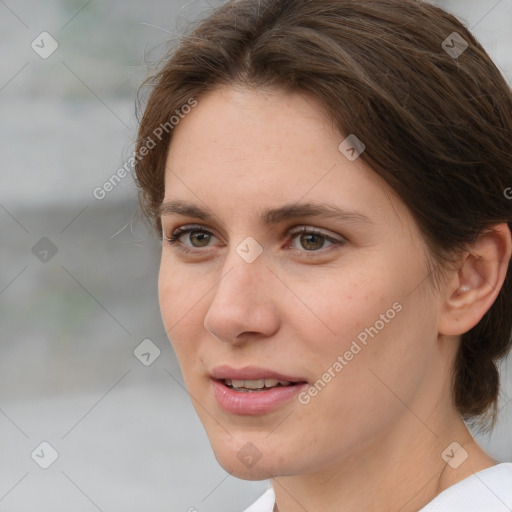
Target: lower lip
<point>256,402</point>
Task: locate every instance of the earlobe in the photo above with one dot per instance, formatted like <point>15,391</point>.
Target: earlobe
<point>472,290</point>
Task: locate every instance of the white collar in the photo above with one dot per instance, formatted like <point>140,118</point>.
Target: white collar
<point>489,490</point>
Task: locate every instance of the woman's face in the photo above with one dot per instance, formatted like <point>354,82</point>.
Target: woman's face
<point>275,282</point>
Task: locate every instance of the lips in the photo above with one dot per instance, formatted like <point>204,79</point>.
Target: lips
<point>251,373</point>
<point>252,390</point>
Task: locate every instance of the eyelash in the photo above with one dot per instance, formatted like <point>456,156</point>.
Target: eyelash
<point>173,240</point>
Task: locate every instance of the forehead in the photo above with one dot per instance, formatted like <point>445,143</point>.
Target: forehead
<point>236,121</point>
<point>244,148</point>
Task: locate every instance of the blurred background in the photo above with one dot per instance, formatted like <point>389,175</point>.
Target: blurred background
<point>93,413</point>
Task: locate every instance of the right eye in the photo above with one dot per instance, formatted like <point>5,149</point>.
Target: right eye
<point>196,236</point>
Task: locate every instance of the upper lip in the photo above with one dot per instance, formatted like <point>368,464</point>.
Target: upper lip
<point>250,373</point>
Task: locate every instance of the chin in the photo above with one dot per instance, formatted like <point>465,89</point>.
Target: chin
<point>243,459</point>
<point>260,471</point>
<point>254,474</point>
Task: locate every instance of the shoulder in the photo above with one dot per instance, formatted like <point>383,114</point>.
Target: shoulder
<point>489,490</point>
<point>265,503</point>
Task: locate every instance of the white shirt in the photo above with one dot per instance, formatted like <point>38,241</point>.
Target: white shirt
<point>489,490</point>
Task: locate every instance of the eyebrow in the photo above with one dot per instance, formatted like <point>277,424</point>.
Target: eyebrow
<point>272,216</point>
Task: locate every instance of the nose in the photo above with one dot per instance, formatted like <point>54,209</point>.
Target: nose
<point>243,307</point>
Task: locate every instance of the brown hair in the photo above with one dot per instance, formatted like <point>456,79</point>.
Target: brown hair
<point>437,126</point>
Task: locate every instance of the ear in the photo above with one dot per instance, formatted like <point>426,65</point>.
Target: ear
<point>472,290</point>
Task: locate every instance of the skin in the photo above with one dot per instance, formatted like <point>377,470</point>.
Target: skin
<point>372,439</point>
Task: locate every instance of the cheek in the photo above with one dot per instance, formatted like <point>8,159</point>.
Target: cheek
<point>180,289</point>
<point>376,361</point>
<point>181,307</point>
<point>337,307</point>
<point>368,322</point>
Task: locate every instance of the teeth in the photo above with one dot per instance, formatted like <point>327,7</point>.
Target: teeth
<point>256,384</point>
<point>249,384</point>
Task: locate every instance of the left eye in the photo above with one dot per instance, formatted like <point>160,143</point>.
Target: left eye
<point>311,240</point>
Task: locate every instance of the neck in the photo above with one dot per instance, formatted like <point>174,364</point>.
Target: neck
<point>403,470</point>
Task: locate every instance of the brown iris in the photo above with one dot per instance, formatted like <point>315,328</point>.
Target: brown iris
<point>200,237</point>
<point>311,241</point>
